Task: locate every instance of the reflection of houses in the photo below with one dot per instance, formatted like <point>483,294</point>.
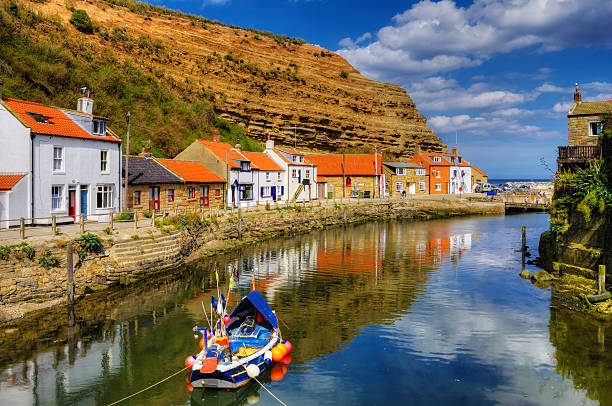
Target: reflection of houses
<point>448,173</point>
<point>405,178</point>
<point>300,174</point>
<point>584,126</point>
<point>69,160</point>
<point>351,175</point>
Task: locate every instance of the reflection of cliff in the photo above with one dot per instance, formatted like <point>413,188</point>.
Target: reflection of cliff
<point>581,354</point>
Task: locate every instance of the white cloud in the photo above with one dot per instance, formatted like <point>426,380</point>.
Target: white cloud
<point>363,37</point>
<point>214,2</point>
<point>562,107</point>
<point>549,88</point>
<point>432,37</point>
<point>346,43</point>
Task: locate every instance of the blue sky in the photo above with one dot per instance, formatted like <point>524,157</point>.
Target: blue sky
<point>500,74</point>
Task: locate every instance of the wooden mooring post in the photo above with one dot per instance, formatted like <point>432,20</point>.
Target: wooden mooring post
<point>523,240</point>
<point>69,273</point>
<point>135,220</point>
<point>601,279</point>
<point>53,225</point>
<point>82,224</point>
<point>22,229</point>
<point>110,224</point>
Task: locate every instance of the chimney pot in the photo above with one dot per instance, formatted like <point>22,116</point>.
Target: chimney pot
<point>269,143</point>
<point>216,136</point>
<point>417,150</point>
<point>238,146</point>
<point>85,104</point>
<point>455,151</point>
<point>577,95</point>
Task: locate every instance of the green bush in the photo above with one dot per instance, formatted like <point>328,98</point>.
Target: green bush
<point>344,74</point>
<point>126,216</point>
<point>28,251</point>
<point>81,21</point>
<point>88,243</point>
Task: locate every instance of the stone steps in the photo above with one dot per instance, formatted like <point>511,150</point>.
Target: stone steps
<point>136,253</point>
<point>136,249</point>
<point>119,246</point>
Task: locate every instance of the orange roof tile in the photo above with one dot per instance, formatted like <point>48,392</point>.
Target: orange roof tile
<point>7,182</point>
<point>191,171</point>
<point>222,150</point>
<point>57,123</point>
<point>321,179</point>
<point>478,170</point>
<point>356,164</point>
<point>262,161</point>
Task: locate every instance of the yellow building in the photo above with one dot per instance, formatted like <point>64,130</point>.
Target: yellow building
<point>404,178</point>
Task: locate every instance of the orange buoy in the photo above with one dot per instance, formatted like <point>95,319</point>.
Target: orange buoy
<point>283,348</point>
<point>277,354</point>
<point>288,346</point>
<point>188,378</point>
<point>278,372</point>
<point>222,341</point>
<point>202,343</point>
<point>189,361</point>
<point>190,388</point>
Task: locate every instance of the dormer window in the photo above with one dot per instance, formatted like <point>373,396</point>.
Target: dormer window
<point>301,159</point>
<point>40,118</point>
<point>459,159</point>
<point>99,127</point>
<point>294,157</point>
<point>452,159</point>
<point>245,166</point>
<point>437,159</point>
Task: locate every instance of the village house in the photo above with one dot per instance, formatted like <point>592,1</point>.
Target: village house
<point>403,178</point>
<point>68,163</point>
<point>242,176</point>
<point>201,187</point>
<point>478,176</point>
<point>584,126</point>
<point>300,179</point>
<point>448,173</point>
<point>351,175</point>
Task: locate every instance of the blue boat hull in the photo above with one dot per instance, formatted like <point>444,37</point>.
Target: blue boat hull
<point>230,379</point>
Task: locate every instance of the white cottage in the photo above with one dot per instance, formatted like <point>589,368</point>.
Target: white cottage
<point>70,160</point>
<point>300,174</point>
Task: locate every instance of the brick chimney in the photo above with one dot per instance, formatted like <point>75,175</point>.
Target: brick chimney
<point>454,151</point>
<point>216,137</point>
<point>238,146</point>
<point>85,104</point>
<point>577,95</point>
<point>417,150</point>
<point>269,143</point>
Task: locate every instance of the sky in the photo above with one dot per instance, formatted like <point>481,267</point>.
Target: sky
<point>497,77</point>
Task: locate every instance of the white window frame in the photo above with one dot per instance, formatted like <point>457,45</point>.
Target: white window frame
<point>399,186</point>
<point>268,177</point>
<point>104,161</point>
<point>307,174</point>
<point>591,122</point>
<point>101,130</point>
<point>106,191</point>
<point>421,185</point>
<point>420,171</point>
<point>294,158</point>
<point>280,177</point>
<point>437,159</point>
<point>438,174</point>
<point>294,173</point>
<point>438,187</point>
<point>301,159</point>
<point>400,171</point>
<point>57,199</point>
<point>266,191</point>
<point>59,159</point>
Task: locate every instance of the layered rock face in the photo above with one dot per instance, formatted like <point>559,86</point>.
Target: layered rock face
<point>298,93</point>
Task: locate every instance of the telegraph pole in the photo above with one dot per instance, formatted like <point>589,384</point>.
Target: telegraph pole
<point>127,162</point>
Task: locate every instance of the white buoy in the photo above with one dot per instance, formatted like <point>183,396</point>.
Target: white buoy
<point>268,357</point>
<point>252,371</point>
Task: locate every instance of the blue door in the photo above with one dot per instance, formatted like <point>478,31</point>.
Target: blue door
<point>299,176</point>
<point>273,192</point>
<point>84,203</point>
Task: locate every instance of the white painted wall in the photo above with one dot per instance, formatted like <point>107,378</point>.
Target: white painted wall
<point>81,168</point>
<point>12,204</point>
<point>275,181</point>
<point>16,157</point>
<point>246,178</point>
<point>291,184</point>
<point>463,179</point>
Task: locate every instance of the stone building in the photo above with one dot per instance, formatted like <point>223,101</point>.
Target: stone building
<point>350,175</point>
<point>584,126</point>
<point>478,176</point>
<point>448,173</point>
<point>404,178</point>
<point>165,185</point>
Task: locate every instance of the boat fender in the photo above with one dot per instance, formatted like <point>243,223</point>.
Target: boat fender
<point>283,348</point>
<point>226,319</point>
<point>286,360</point>
<point>202,343</point>
<point>268,357</point>
<point>189,361</point>
<point>277,353</point>
<point>288,346</point>
<point>252,371</point>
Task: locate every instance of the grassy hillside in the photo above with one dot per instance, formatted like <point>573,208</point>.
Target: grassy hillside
<point>40,61</point>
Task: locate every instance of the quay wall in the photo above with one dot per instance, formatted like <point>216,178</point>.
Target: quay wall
<point>26,285</point>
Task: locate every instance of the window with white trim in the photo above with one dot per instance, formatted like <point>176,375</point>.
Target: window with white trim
<point>294,173</point>
<point>104,161</point>
<point>58,159</point>
<point>595,128</point>
<point>307,173</point>
<point>191,192</point>
<point>280,177</point>
<point>399,186</point>
<point>301,159</point>
<point>266,191</point>
<point>104,196</point>
<point>437,159</point>
<point>99,127</point>
<point>136,197</point>
<point>57,197</point>
<point>400,171</point>
<point>438,187</point>
<point>438,174</point>
<point>246,192</point>
<point>294,158</point>
<point>420,171</point>
<point>421,185</point>
<point>267,176</point>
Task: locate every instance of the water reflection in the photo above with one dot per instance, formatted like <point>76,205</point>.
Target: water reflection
<point>426,312</point>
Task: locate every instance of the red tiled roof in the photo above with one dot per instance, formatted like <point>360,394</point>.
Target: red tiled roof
<point>290,162</point>
<point>356,164</point>
<point>191,171</point>
<point>321,179</point>
<point>478,170</point>
<point>262,161</point>
<point>58,123</point>
<point>220,149</point>
<point>7,182</point>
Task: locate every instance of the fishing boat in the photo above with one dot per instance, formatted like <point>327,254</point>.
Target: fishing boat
<point>240,345</point>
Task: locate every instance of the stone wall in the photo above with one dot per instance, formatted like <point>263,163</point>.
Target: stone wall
<point>578,131</point>
<point>181,196</point>
<point>410,177</point>
<point>25,285</point>
<point>363,183</point>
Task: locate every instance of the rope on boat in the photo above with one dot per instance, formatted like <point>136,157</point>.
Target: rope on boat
<point>263,386</point>
<point>149,387</point>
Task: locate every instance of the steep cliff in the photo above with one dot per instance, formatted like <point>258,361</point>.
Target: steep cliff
<point>296,92</point>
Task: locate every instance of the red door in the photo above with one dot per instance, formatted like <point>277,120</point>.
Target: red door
<point>72,204</point>
<point>204,201</point>
<point>154,198</point>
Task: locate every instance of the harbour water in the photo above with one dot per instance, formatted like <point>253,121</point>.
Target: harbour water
<point>379,314</point>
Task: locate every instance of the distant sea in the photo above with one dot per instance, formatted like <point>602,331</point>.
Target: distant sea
<point>525,180</point>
